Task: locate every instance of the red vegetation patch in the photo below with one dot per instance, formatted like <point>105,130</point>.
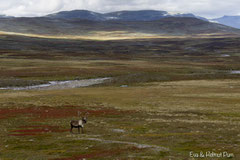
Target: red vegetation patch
<point>37,130</point>
<point>101,154</point>
<point>41,113</point>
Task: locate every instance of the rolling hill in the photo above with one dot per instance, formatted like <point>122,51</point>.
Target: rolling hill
<point>141,15</point>
<point>78,14</point>
<point>233,21</point>
<point>87,23</point>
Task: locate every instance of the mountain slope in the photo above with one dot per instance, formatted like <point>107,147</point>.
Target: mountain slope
<point>233,21</point>
<point>190,15</point>
<point>142,15</point>
<point>75,27</point>
<point>78,14</point>
<point>4,16</point>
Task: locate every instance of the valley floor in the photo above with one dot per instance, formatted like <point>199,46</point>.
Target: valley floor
<point>166,98</point>
<point>152,121</point>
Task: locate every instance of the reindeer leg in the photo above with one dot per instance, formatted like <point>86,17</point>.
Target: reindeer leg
<point>79,130</point>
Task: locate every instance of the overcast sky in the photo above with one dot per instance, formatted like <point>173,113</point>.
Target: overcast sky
<point>205,8</point>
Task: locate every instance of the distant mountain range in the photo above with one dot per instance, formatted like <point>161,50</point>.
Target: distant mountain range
<point>142,15</point>
<point>82,22</point>
<point>4,16</point>
<point>233,21</point>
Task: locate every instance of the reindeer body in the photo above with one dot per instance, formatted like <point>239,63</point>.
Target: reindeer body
<point>78,124</point>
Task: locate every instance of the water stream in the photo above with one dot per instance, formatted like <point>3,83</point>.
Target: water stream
<point>52,85</point>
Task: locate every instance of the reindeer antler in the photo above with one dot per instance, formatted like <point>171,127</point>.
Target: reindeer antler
<point>79,113</point>
<point>86,114</point>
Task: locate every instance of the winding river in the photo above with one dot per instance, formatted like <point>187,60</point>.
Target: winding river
<point>52,85</point>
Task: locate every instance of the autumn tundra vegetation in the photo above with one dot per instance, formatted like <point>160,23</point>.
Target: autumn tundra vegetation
<point>165,96</point>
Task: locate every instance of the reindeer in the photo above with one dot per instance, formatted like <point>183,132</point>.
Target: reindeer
<point>80,123</point>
